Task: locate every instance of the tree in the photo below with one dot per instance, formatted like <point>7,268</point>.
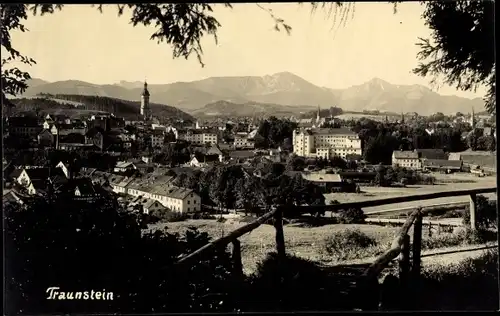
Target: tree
<point>295,163</point>
<point>461,48</point>
<point>104,244</point>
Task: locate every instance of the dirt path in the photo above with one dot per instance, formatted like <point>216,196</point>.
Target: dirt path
<point>446,256</point>
<point>442,256</point>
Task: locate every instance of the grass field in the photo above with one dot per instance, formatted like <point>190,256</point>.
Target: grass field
<point>309,242</point>
<point>303,242</point>
<point>370,193</point>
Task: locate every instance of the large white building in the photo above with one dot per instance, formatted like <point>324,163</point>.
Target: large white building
<point>326,142</point>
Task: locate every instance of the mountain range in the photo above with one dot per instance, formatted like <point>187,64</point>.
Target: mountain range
<point>280,92</point>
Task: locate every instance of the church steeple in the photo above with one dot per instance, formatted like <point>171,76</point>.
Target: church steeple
<point>145,111</point>
<point>318,115</point>
<point>145,92</point>
<point>402,118</point>
<point>473,119</point>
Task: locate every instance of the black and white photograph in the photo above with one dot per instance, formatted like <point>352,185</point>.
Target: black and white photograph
<point>249,157</point>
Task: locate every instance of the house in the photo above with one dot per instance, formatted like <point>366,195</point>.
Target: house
<point>96,136</point>
<point>157,138</point>
<point>241,141</point>
<point>150,205</point>
<point>100,177</point>
<point>431,154</point>
<point>406,159</point>
<point>200,136</point>
<point>160,189</point>
<point>45,138</point>
<point>119,183</point>
<point>215,150</point>
<point>443,165</point>
<point>328,182</point>
<point>180,199</point>
<point>124,166</point>
<point>67,169</point>
<point>200,160</point>
<point>241,155</point>
<point>26,126</point>
<point>80,189</point>
<point>454,156</point>
<point>29,175</point>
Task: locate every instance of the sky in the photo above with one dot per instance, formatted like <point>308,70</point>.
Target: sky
<point>80,43</point>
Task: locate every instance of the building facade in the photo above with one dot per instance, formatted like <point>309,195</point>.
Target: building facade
<point>326,142</point>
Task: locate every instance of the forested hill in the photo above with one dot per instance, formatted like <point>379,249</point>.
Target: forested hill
<point>87,103</point>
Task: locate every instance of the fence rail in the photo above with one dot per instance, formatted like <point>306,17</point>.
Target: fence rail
<point>400,246</point>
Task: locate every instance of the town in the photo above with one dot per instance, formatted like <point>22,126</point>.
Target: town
<point>257,183</point>
<point>147,163</point>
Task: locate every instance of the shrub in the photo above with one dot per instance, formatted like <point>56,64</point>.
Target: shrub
<point>290,285</point>
<point>349,244</point>
<point>169,216</point>
<point>351,216</point>
<point>202,216</point>
<point>461,237</point>
<point>471,284</point>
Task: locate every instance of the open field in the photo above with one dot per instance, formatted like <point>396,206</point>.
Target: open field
<point>303,242</point>
<point>370,193</point>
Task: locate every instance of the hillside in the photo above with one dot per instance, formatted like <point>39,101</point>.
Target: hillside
<point>225,108</point>
<point>279,89</point>
<point>79,104</point>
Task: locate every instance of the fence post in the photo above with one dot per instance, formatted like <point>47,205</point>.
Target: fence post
<point>472,208</point>
<point>280,237</point>
<point>236,256</point>
<point>404,268</point>
<point>417,244</point>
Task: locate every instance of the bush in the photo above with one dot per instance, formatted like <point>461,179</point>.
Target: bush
<point>471,284</point>
<point>462,237</point>
<point>202,216</point>
<point>290,285</point>
<point>351,216</point>
<point>349,244</point>
<point>169,216</point>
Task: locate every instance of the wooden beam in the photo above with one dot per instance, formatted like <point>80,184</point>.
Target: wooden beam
<point>404,270</point>
<point>280,237</point>
<point>230,237</point>
<point>417,245</point>
<point>382,261</point>
<point>394,200</point>
<point>473,208</point>
<point>404,261</point>
<point>236,256</point>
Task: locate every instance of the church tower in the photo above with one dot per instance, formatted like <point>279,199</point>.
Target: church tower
<point>473,120</point>
<point>145,111</point>
<point>402,118</point>
<point>318,117</point>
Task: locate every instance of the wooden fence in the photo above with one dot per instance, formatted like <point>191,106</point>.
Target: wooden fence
<point>400,245</point>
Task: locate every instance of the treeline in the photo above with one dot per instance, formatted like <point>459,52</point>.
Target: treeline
<point>274,133</point>
<point>232,187</point>
<point>379,140</point>
<point>125,108</point>
<point>332,111</point>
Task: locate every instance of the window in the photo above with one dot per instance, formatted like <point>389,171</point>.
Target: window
<point>188,209</point>
<point>188,202</point>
